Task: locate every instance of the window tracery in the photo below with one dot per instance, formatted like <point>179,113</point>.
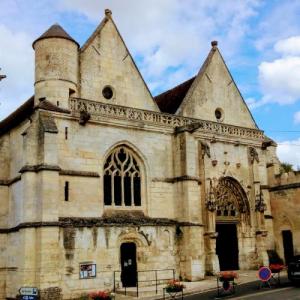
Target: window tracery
<point>231,201</point>
<point>122,179</point>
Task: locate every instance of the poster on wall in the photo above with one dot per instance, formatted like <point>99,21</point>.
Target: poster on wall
<point>87,270</point>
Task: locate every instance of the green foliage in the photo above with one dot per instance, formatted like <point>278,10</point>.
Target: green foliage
<point>286,167</point>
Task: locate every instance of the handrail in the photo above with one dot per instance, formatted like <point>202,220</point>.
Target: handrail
<point>148,271</point>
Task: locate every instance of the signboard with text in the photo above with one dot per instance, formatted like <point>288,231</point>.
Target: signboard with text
<point>87,270</point>
<point>28,291</point>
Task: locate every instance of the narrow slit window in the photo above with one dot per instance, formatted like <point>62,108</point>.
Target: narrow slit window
<point>66,133</point>
<point>67,191</point>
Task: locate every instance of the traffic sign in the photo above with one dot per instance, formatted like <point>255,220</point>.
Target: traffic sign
<point>264,274</point>
<point>28,291</point>
<point>29,297</point>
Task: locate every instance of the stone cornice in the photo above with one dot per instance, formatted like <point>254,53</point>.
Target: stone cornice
<point>43,167</point>
<point>98,110</point>
<point>178,179</point>
<point>285,187</point>
<point>8,182</point>
<point>78,173</point>
<point>38,168</point>
<point>100,222</point>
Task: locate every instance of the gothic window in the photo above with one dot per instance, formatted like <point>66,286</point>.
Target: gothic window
<point>122,179</point>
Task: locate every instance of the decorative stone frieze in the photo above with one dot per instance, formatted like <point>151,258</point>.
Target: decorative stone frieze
<point>98,109</point>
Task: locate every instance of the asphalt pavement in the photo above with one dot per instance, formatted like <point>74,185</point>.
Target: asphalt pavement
<point>253,290</point>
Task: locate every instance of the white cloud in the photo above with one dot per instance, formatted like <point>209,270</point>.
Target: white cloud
<point>289,152</point>
<point>16,58</point>
<point>289,46</point>
<point>170,38</point>
<point>172,33</point>
<point>279,79</point>
<point>279,21</point>
<point>297,117</point>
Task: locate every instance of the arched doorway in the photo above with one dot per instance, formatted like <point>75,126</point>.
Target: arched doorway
<point>128,264</point>
<point>231,208</point>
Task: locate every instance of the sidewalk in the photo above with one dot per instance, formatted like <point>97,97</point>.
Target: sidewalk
<point>209,283</point>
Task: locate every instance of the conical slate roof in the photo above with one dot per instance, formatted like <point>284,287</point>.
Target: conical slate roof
<point>55,31</point>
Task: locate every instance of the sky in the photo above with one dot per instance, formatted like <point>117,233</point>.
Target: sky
<point>169,40</point>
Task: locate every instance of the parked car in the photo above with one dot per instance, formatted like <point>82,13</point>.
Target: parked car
<point>294,269</point>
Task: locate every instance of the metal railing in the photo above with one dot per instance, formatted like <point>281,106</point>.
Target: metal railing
<point>155,278</point>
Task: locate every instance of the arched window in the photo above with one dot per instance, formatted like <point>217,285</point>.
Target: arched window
<point>122,179</point>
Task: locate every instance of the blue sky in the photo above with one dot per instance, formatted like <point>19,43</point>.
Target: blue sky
<point>169,39</point>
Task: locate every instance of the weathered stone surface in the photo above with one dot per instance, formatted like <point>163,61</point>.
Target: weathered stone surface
<point>53,214</point>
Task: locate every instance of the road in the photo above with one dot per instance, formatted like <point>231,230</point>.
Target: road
<point>252,291</point>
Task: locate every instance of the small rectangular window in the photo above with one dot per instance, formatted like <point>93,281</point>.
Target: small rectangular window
<point>66,133</point>
<point>67,191</point>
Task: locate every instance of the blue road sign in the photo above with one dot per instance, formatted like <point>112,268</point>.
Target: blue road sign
<point>29,297</point>
<point>264,274</point>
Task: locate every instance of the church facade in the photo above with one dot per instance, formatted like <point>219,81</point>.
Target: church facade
<point>98,179</point>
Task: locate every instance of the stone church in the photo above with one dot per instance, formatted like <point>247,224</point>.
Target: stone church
<point>99,179</point>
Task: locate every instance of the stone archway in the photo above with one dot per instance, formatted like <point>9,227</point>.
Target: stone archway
<point>228,212</point>
<point>232,209</point>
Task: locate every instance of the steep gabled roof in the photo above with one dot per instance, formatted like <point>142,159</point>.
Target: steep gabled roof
<point>18,116</point>
<point>55,31</point>
<point>107,18</point>
<point>174,100</point>
<point>25,111</point>
<point>170,100</point>
<point>94,34</point>
<point>47,105</point>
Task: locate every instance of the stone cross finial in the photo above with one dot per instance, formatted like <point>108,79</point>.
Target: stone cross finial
<point>214,44</point>
<point>108,12</point>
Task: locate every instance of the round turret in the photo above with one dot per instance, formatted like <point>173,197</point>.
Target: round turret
<point>56,66</point>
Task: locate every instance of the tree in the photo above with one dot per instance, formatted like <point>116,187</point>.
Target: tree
<point>286,167</point>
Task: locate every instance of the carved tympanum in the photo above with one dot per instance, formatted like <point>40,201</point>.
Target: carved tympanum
<point>231,199</point>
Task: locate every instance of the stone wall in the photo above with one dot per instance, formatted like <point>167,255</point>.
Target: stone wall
<point>156,250</point>
<point>285,203</point>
